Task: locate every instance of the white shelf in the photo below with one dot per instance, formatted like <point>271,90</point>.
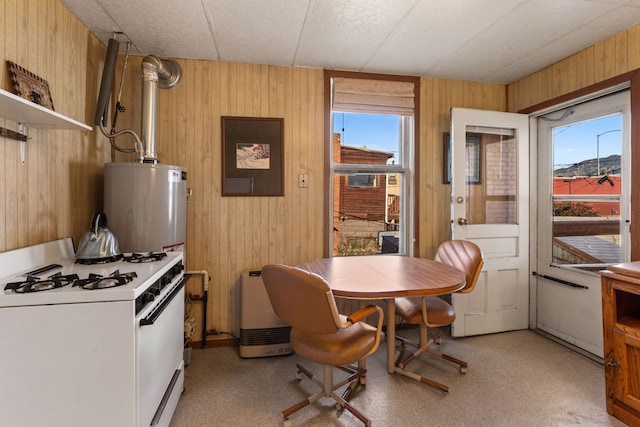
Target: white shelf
<point>27,113</point>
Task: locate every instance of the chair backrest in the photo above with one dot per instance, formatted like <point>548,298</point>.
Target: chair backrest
<point>465,256</point>
<point>301,299</point>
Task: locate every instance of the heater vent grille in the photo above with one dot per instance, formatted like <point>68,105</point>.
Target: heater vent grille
<point>261,332</point>
<point>265,336</point>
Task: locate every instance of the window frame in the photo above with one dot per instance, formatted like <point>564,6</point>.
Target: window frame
<point>408,153</point>
<point>596,106</point>
<point>631,80</point>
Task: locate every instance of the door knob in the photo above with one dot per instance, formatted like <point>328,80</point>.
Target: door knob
<point>463,221</point>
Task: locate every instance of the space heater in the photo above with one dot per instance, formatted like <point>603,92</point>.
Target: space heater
<point>262,333</point>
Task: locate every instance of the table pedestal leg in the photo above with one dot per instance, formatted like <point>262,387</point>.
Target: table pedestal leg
<point>391,335</point>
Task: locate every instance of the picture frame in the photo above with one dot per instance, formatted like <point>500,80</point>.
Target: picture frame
<point>252,156</point>
<point>29,86</point>
<point>473,159</point>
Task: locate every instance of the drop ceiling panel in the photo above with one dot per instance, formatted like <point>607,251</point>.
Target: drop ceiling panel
<point>96,19</point>
<point>92,15</point>
<point>344,34</point>
<point>164,27</point>
<point>262,32</point>
<point>527,29</point>
<point>490,40</point>
<point>434,30</point>
<point>568,44</point>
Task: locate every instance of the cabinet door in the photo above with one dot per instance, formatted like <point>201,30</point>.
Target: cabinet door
<point>625,367</point>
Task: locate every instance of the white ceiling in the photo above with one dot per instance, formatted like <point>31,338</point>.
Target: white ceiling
<point>479,40</point>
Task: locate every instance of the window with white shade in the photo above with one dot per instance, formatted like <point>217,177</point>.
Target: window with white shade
<point>371,163</point>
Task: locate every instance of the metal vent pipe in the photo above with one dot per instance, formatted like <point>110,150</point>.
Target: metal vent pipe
<point>163,73</point>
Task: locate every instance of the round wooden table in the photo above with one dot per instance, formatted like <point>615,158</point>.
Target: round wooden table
<point>386,277</point>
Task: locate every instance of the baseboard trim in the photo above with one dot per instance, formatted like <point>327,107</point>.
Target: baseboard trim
<point>229,342</point>
<point>569,346</point>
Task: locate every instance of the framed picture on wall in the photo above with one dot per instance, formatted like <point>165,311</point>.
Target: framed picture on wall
<point>473,153</point>
<point>252,156</point>
<point>29,86</point>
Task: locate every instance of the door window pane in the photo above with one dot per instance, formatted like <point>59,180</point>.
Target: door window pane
<point>492,172</point>
<point>587,182</point>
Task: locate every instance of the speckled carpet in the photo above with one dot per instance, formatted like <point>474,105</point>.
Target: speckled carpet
<point>514,379</point>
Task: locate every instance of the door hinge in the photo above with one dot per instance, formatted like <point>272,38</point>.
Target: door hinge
<point>613,363</point>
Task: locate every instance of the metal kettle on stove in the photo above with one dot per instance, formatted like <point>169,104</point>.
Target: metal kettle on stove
<point>98,242</point>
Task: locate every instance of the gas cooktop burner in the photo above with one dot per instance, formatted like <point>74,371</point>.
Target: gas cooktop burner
<point>103,260</point>
<point>148,257</point>
<point>35,284</point>
<point>96,281</point>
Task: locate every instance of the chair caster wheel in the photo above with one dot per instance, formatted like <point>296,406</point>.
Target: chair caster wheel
<point>463,369</point>
<point>299,375</point>
<point>286,422</point>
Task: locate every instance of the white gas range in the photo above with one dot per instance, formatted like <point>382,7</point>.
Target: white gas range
<point>76,352</point>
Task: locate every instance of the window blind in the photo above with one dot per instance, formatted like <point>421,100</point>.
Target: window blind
<point>373,96</point>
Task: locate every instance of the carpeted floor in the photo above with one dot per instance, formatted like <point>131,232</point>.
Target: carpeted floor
<point>514,379</point>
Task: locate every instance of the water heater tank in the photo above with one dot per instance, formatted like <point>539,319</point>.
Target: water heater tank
<point>146,205</point>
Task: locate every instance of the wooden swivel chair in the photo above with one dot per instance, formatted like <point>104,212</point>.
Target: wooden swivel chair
<point>432,311</point>
<point>320,334</point>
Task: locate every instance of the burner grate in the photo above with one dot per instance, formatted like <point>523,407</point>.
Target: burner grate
<point>96,281</point>
<point>35,284</point>
<point>103,260</point>
<point>146,257</point>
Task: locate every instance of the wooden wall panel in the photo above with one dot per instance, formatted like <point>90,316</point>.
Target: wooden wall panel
<point>606,59</point>
<point>227,235</point>
<point>59,186</point>
<point>633,48</point>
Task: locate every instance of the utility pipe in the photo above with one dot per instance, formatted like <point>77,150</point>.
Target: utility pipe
<point>205,292</point>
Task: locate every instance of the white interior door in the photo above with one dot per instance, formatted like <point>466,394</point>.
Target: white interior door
<point>490,206</point>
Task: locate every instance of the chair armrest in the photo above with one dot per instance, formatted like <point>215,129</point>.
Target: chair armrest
<point>363,313</point>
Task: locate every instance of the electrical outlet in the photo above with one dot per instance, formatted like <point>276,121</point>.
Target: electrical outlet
<point>303,181</point>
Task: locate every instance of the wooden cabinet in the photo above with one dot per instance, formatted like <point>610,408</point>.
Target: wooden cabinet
<point>621,322</point>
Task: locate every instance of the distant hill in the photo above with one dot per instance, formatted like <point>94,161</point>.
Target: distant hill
<point>608,165</point>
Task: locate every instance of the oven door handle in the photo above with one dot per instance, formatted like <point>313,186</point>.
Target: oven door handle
<point>153,316</point>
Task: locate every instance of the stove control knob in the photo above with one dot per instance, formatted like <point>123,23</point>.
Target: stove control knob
<point>148,297</point>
